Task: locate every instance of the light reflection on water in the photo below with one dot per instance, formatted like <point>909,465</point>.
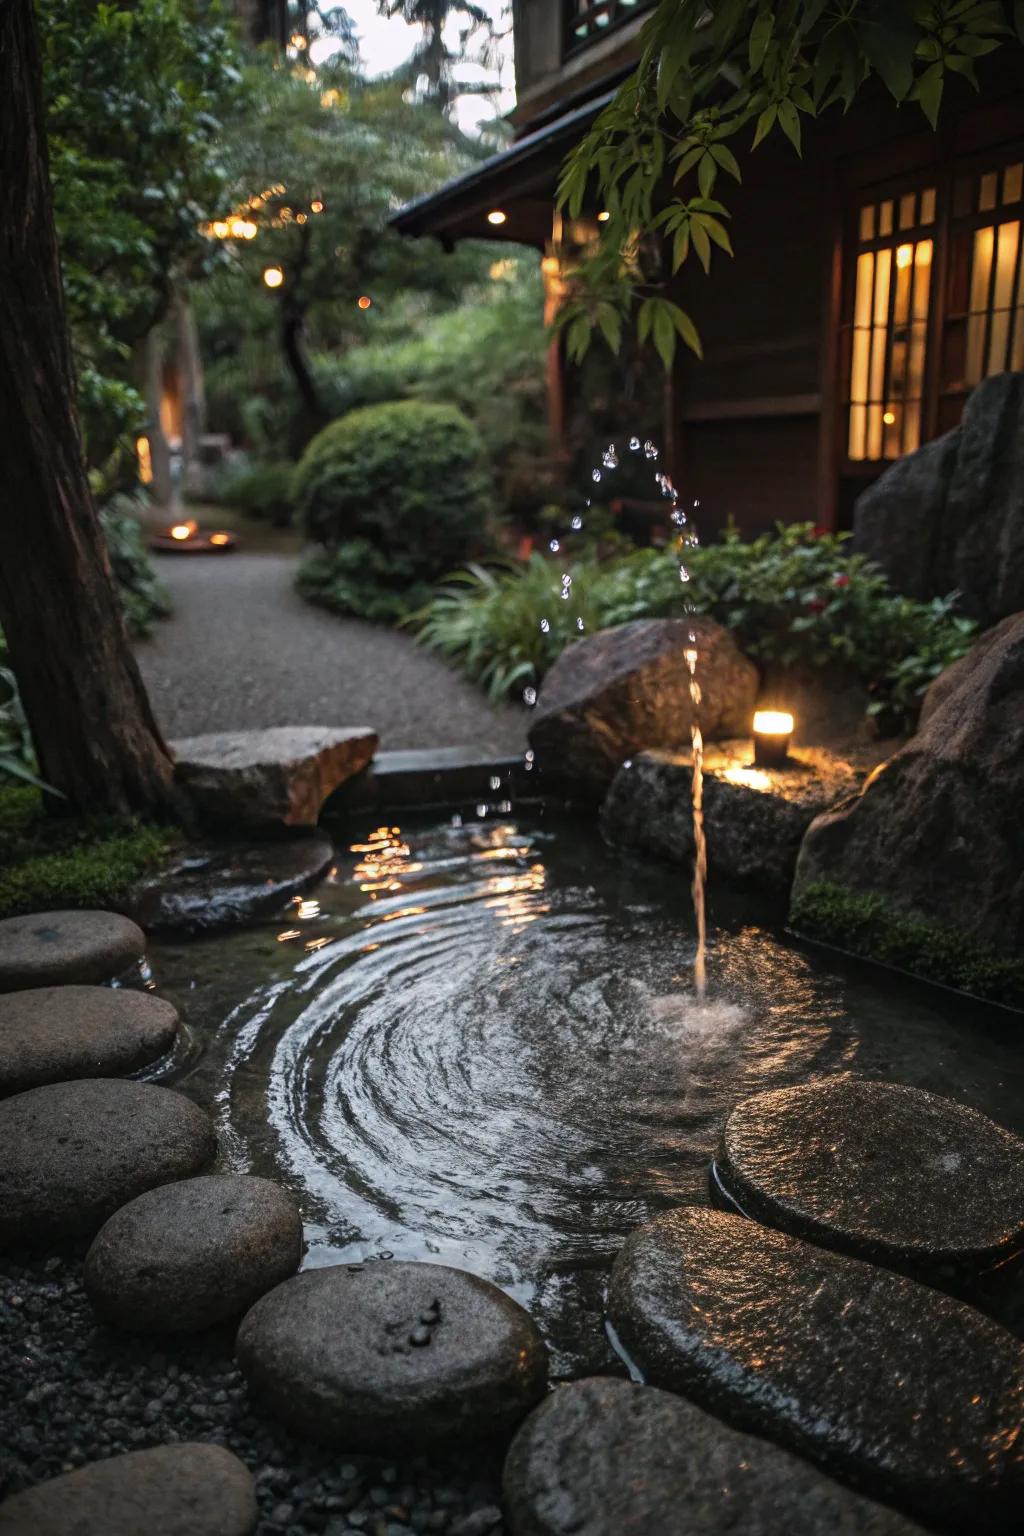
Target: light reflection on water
<point>480,1044</point>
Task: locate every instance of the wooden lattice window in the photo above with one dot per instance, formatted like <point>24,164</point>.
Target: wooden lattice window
<point>895,246</point>
<point>586,21</point>
<point>995,308</point>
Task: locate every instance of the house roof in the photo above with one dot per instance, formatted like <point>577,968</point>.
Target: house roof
<point>519,180</point>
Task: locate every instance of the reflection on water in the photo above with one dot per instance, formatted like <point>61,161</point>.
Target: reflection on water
<point>476,1044</point>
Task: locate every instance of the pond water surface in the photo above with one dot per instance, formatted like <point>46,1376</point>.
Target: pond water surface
<point>478,1043</point>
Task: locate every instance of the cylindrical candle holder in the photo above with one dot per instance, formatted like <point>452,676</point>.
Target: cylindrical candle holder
<point>772,732</point>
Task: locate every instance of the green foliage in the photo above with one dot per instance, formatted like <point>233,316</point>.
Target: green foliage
<point>142,596</point>
<point>46,862</point>
<point>261,489</point>
<point>864,923</point>
<point>397,494</point>
<point>794,598</point>
<point>136,97</point>
<point>710,75</point>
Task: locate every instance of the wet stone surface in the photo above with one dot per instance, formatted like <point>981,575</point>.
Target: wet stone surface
<point>45,949</point>
<point>223,886</point>
<point>608,1458</point>
<point>72,1153</point>
<point>175,1490</point>
<point>879,1170</point>
<point>882,1381</point>
<point>188,1255</point>
<point>393,1353</point>
<point>272,778</point>
<point>52,1034</point>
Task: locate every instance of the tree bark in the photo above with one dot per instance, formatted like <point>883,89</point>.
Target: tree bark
<point>162,486</point>
<point>94,731</point>
<point>193,397</point>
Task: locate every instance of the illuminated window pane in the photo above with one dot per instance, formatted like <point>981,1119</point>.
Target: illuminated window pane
<point>885,218</point>
<point>1007,242</point>
<point>867,222</point>
<point>987,191</point>
<point>977,321</point>
<point>907,207</point>
<point>928,206</point>
<point>1013,177</point>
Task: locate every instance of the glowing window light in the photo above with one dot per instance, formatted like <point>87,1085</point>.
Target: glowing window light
<point>904,255</point>
<point>145,459</point>
<point>496,216</point>
<point>273,277</point>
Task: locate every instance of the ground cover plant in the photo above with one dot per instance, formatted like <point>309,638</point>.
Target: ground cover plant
<point>794,597</point>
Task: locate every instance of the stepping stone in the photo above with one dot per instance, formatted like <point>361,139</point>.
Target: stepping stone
<point>188,1255</point>
<point>172,1490</point>
<point>879,1170</point>
<point>377,1355</point>
<point>72,1153</point>
<point>206,889</point>
<point>51,1034</point>
<point>607,1458</point>
<point>269,779</point>
<point>44,949</point>
<point>882,1381</point>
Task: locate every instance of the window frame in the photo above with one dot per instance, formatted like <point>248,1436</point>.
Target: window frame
<point>618,16</point>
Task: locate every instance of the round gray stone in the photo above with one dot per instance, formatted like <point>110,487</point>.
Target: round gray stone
<point>72,1153</point>
<point>387,1354</point>
<point>172,1490</point>
<point>46,949</point>
<point>52,1034</point>
<point>188,1255</point>
<point>607,1458</point>
<point>882,1381</point>
<point>879,1170</point>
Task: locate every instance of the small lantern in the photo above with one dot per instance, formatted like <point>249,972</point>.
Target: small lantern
<point>772,731</point>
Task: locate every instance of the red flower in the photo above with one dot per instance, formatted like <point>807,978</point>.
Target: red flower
<point>816,604</point>
<point>818,532</point>
<point>840,579</point>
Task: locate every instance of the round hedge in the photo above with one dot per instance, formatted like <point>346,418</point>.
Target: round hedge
<point>407,479</point>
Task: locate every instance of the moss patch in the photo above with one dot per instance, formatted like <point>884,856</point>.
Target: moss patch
<point>866,924</point>
<point>48,862</point>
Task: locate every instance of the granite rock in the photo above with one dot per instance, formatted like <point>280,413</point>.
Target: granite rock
<point>187,1255</point>
<point>609,1458</point>
<point>72,1153</point>
<point>52,1034</point>
<point>270,779</point>
<point>883,1382</point>
<point>205,889</point>
<point>45,949</point>
<point>377,1355</point>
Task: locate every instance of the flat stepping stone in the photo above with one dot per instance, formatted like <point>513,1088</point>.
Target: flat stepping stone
<point>205,889</point>
<point>387,1354</point>
<point>52,1034</point>
<point>188,1255</point>
<point>44,949</point>
<point>882,1381</point>
<point>879,1170</point>
<point>172,1490</point>
<point>72,1153</point>
<point>272,778</point>
<point>608,1458</point>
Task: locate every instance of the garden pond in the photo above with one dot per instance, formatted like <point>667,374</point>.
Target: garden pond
<point>477,1042</point>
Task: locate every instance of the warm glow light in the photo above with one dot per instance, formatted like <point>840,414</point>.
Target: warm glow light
<point>550,266</point>
<point>496,216</point>
<point>316,206</point>
<point>247,229</point>
<point>273,277</point>
<point>299,42</point>
<point>889,417</point>
<point>904,255</point>
<point>181,531</point>
<point>220,229</point>
<point>365,301</point>
<point>603,216</point>
<point>145,460</point>
<point>220,538</point>
<point>772,722</point>
<point>300,218</point>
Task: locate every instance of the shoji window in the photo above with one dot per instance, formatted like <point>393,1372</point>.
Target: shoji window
<point>889,339</point>
<point>995,311</point>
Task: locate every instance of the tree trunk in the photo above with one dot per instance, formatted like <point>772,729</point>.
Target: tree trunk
<point>94,731</point>
<point>292,326</point>
<point>162,486</point>
<point>193,402</point>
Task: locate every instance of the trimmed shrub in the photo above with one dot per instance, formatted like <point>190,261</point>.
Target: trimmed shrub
<point>396,495</point>
<point>263,490</point>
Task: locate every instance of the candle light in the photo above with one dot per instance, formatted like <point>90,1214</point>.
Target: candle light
<point>772,731</point>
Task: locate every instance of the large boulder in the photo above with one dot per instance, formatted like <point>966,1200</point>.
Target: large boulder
<point>951,515</point>
<point>938,832</point>
<point>628,688</point>
<point>270,779</point>
<point>755,818</point>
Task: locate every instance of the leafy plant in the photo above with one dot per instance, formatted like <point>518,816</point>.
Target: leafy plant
<point>261,489</point>
<point>396,494</point>
<point>710,77</point>
<point>794,598</point>
<point>143,597</point>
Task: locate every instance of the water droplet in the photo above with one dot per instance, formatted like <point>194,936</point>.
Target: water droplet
<point>577,523</point>
<point>634,444</point>
<point>628,763</point>
<point>678,517</point>
<point>566,579</point>
<point>595,475</point>
<point>580,625</point>
<point>505,807</point>
<point>684,574</point>
<point>650,450</point>
<point>495,781</point>
<point>481,811</point>
<point>529,766</point>
<point>456,820</point>
<point>529,697</point>
<point>530,755</point>
<point>554,546</point>
<point>545,627</point>
<point>565,594</point>
<point>610,459</point>
<point>587,502</point>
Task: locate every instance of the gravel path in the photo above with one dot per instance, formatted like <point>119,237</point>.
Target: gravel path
<point>243,650</point>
